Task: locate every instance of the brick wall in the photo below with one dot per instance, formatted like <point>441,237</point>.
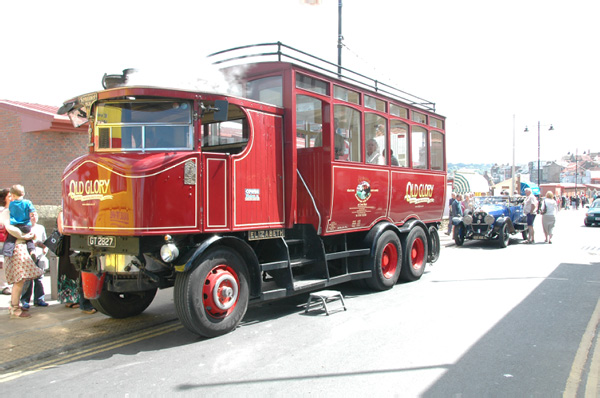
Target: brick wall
<point>36,160</point>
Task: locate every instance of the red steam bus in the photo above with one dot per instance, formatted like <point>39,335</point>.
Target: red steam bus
<point>311,178</point>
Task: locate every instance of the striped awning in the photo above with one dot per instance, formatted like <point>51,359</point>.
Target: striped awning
<point>470,182</point>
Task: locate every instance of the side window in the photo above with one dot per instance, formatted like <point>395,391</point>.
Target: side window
<point>399,143</point>
<point>437,151</point>
<point>347,134</point>
<point>375,139</point>
<point>268,89</point>
<point>309,122</point>
<point>419,147</point>
<point>230,136</point>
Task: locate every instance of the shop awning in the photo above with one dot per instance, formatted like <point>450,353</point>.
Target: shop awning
<point>470,182</point>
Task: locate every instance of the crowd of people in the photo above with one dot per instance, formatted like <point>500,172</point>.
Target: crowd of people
<point>547,206</point>
<point>24,258</point>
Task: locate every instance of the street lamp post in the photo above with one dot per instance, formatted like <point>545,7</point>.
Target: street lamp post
<point>538,170</point>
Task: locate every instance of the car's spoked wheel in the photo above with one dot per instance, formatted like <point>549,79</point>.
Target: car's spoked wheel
<point>459,235</point>
<point>503,236</point>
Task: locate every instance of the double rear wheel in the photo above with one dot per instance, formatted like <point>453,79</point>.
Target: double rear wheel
<point>415,255</point>
<point>385,264</point>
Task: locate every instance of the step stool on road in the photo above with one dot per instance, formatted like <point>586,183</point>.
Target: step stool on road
<point>323,297</point>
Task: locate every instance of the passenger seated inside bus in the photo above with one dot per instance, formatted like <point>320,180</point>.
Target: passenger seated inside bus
<point>373,153</point>
<point>342,146</point>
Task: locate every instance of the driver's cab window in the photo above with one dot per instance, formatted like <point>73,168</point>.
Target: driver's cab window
<point>230,136</point>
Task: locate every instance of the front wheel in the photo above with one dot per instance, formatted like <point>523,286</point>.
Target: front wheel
<point>459,235</point>
<point>123,305</point>
<point>212,299</point>
<point>415,255</point>
<point>385,264</point>
<point>503,236</point>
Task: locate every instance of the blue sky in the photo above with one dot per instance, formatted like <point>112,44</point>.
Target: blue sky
<point>488,65</point>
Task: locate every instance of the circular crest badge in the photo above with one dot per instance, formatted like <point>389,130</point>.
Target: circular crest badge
<point>363,191</point>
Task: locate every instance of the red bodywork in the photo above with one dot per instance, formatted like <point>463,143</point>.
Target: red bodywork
<point>257,189</point>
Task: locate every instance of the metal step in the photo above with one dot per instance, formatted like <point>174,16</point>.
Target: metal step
<point>309,284</point>
<point>346,254</point>
<point>297,262</point>
<point>274,265</point>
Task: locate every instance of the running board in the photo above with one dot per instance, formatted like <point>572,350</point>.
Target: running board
<point>347,254</point>
<point>299,262</point>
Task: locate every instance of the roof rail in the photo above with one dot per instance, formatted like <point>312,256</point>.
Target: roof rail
<point>276,50</point>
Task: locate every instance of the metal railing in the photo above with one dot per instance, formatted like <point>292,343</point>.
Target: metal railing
<point>284,53</point>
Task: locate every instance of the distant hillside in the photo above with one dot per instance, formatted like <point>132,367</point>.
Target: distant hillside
<point>481,167</point>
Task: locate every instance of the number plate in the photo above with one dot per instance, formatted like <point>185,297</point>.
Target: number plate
<point>597,218</point>
<point>478,237</point>
<point>102,241</point>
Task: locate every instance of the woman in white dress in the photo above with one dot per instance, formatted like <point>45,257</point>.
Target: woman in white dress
<point>549,209</point>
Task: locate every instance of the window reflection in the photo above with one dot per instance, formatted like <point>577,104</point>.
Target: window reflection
<point>347,134</point>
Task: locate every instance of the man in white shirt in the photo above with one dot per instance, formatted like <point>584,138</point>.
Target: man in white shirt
<point>529,208</point>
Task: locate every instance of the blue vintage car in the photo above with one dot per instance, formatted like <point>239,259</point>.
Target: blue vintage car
<point>492,218</point>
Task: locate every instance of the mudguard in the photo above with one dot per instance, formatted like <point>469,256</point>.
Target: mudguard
<point>191,259</point>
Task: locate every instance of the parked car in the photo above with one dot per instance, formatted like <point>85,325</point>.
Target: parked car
<point>493,218</point>
<point>592,215</point>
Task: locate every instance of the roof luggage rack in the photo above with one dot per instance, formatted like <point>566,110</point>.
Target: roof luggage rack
<point>284,53</point>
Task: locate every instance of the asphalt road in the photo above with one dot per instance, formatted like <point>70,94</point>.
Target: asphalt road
<point>482,322</point>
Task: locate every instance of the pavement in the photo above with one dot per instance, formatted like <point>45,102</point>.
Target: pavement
<point>58,330</point>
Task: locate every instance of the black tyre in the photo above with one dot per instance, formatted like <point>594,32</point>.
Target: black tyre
<point>459,235</point>
<point>434,245</point>
<point>123,305</point>
<point>385,263</point>
<point>525,234</point>
<point>212,299</point>
<point>503,236</point>
<point>415,255</point>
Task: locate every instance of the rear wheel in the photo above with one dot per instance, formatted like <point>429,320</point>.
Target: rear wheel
<point>385,264</point>
<point>123,305</point>
<point>415,255</point>
<point>212,299</point>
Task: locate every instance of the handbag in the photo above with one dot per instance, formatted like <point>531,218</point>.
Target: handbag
<point>54,243</point>
<point>3,233</point>
<point>544,208</point>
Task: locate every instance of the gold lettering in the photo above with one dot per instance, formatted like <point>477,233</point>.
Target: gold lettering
<point>419,193</point>
<point>89,190</point>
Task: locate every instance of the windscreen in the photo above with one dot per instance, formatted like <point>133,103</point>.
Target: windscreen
<point>143,125</point>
